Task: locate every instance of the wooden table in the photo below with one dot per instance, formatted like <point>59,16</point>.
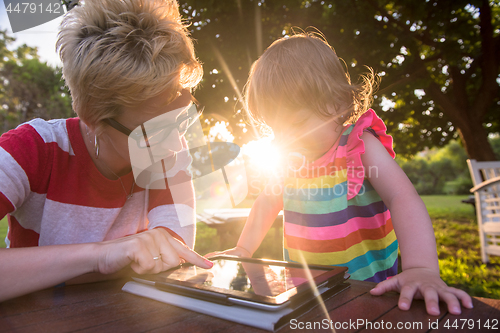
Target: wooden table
<point>103,307</point>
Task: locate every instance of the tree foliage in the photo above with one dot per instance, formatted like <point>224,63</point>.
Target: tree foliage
<point>442,170</point>
<point>438,59</point>
<point>439,170</point>
<point>29,88</point>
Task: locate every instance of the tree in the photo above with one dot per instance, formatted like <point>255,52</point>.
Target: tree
<point>439,170</point>
<point>29,88</point>
<point>224,33</point>
<point>445,75</point>
<point>438,59</point>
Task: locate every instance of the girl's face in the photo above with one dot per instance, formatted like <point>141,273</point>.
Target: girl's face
<point>307,133</point>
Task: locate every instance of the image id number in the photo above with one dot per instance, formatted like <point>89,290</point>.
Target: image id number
<point>471,324</point>
<point>32,7</point>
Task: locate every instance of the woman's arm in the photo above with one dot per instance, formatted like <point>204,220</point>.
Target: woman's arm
<point>25,270</point>
<point>420,277</point>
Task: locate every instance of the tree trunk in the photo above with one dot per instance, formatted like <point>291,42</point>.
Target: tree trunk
<point>475,140</point>
<point>467,119</point>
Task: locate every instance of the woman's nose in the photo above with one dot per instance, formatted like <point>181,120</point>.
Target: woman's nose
<point>173,142</point>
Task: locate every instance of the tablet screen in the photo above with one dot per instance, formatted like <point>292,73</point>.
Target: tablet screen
<point>247,277</point>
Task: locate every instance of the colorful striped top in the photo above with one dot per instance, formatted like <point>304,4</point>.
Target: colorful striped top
<point>332,214</point>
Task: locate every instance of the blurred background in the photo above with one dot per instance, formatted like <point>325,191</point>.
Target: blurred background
<point>438,61</point>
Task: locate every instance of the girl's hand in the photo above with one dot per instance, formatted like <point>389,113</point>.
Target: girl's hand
<point>140,250</point>
<point>424,283</point>
<point>237,251</point>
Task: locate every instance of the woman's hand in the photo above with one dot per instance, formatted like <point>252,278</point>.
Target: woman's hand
<point>424,283</point>
<point>53,264</point>
<point>140,250</point>
<point>237,251</point>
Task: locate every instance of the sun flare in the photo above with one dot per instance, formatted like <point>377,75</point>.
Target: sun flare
<point>263,155</point>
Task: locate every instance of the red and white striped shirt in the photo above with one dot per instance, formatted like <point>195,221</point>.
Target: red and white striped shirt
<point>54,194</point>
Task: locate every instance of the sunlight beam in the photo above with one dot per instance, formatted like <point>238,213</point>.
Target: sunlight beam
<point>314,287</point>
<point>231,79</point>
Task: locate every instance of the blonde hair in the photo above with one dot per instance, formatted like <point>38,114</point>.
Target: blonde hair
<point>303,72</point>
<point>118,53</point>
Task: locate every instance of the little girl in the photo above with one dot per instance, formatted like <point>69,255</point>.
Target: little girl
<point>344,197</point>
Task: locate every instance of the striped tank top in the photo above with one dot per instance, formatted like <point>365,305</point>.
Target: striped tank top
<point>332,214</point>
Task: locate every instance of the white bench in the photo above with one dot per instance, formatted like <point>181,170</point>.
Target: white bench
<point>486,179</point>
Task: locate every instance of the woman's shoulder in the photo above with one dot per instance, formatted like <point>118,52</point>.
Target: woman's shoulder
<point>40,132</point>
<point>50,130</point>
<point>46,129</point>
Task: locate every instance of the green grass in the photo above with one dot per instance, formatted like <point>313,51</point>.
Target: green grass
<point>457,240</point>
<point>3,231</point>
<point>449,206</point>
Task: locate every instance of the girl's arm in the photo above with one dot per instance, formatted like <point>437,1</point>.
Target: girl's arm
<point>24,270</point>
<point>420,277</point>
<point>264,211</point>
<point>262,215</point>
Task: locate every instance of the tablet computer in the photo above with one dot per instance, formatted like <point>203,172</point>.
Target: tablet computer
<point>257,283</point>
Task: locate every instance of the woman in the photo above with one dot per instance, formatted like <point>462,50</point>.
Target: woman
<point>68,184</point>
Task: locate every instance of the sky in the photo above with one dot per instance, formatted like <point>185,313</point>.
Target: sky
<point>43,37</point>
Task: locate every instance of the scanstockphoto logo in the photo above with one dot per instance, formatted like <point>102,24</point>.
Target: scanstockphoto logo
<point>24,14</point>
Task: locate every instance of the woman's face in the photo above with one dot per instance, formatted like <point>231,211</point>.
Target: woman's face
<point>160,121</point>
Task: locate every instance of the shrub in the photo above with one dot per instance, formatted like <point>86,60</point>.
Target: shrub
<point>439,170</point>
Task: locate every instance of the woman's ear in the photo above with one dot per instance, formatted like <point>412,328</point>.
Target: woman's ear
<point>182,98</point>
